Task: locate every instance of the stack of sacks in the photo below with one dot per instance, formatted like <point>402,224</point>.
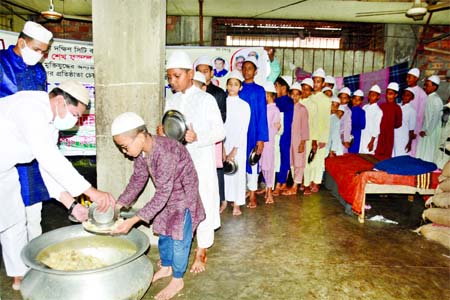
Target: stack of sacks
<point>439,211</point>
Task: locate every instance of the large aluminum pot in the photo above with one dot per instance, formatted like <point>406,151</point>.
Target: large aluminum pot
<point>127,275</point>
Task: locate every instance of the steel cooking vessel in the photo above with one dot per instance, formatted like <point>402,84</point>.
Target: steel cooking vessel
<point>127,274</point>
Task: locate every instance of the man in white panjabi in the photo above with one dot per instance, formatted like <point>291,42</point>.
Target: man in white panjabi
<point>369,135</point>
<point>205,129</point>
<point>29,123</point>
<point>418,103</point>
<point>431,130</point>
<point>404,136</point>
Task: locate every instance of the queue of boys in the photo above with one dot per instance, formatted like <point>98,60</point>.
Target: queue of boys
<point>293,126</point>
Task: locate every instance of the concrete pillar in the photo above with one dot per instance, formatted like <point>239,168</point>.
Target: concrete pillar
<point>129,51</point>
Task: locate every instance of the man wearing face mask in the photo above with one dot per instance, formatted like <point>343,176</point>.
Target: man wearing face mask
<point>21,70</point>
<point>20,67</point>
<point>29,125</point>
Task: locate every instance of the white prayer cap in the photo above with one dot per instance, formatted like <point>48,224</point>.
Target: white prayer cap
<point>200,77</point>
<point>327,88</point>
<point>341,108</point>
<point>393,86</point>
<point>287,79</point>
<point>359,93</point>
<point>203,60</point>
<point>76,90</point>
<point>375,88</point>
<point>308,81</point>
<point>179,60</point>
<point>345,90</point>
<point>411,90</point>
<point>414,72</point>
<point>37,32</point>
<point>236,75</point>
<point>253,60</point>
<point>330,79</point>
<point>319,73</point>
<point>269,87</point>
<point>435,79</point>
<point>125,122</point>
<point>335,99</point>
<point>296,86</point>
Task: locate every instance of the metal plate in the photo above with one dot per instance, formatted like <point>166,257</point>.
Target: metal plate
<point>253,158</point>
<point>230,167</point>
<point>174,125</point>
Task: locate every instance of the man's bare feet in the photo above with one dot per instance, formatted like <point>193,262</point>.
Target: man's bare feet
<point>199,264</point>
<point>162,273</point>
<point>223,206</point>
<point>175,285</point>
<point>252,201</point>
<point>17,281</point>
<point>237,210</point>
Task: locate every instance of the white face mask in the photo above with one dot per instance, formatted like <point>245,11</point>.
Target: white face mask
<point>29,56</point>
<point>64,123</point>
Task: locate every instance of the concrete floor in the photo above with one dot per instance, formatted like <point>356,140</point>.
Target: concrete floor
<point>305,248</point>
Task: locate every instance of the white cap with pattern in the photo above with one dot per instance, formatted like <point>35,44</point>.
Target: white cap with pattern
<point>375,88</point>
<point>37,31</point>
<point>125,122</point>
<point>179,60</point>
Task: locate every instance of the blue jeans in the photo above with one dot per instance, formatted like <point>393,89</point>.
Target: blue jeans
<point>174,253</point>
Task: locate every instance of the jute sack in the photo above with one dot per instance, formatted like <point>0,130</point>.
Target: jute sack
<point>446,169</point>
<point>440,200</point>
<point>439,216</point>
<point>445,185</point>
<point>437,233</point>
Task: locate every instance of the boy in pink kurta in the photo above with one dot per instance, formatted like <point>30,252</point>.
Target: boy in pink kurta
<point>267,161</point>
<point>299,136</point>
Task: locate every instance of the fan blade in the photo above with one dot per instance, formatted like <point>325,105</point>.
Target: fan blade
<point>379,13</point>
<point>78,18</point>
<point>438,7</point>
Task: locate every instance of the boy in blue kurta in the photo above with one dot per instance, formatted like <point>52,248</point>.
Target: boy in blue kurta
<point>257,133</point>
<point>286,106</point>
<point>358,121</point>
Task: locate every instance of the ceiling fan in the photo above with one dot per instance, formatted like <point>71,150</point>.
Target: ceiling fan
<point>416,12</point>
<point>50,15</point>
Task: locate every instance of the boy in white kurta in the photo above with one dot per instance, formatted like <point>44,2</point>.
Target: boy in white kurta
<point>431,129</point>
<point>205,130</point>
<point>369,135</point>
<point>236,126</point>
<point>404,135</point>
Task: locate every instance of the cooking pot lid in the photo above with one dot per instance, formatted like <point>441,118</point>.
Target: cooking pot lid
<point>253,157</point>
<point>174,125</point>
<point>230,167</point>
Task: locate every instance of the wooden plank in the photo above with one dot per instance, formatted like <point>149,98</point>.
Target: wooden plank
<point>328,64</point>
<point>308,54</point>
<point>378,61</point>
<point>318,59</point>
<point>368,61</point>
<point>338,63</point>
<point>288,58</point>
<point>348,63</point>
<point>358,61</point>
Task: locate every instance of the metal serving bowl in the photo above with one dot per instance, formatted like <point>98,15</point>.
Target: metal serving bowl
<point>127,274</point>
